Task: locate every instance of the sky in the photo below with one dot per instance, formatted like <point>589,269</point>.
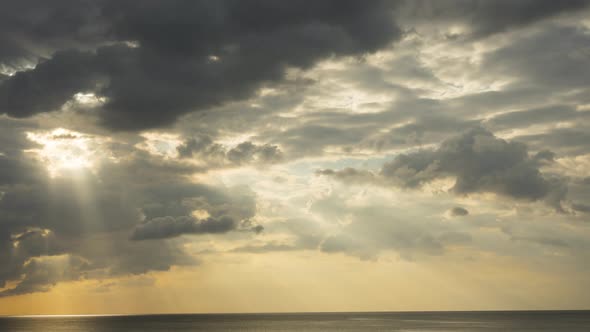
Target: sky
<point>274,156</point>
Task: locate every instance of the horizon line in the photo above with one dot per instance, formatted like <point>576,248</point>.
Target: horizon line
<point>290,313</point>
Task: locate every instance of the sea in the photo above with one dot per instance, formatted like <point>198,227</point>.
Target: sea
<point>487,321</point>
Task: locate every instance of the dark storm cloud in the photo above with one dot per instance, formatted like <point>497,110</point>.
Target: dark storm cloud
<point>30,29</point>
<point>479,162</point>
<point>49,85</point>
<point>193,55</point>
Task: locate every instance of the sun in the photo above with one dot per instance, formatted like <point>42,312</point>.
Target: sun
<point>65,151</point>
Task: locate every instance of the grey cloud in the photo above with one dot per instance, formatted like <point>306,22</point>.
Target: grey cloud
<point>215,155</point>
<point>479,162</point>
<point>247,151</point>
<point>548,114</point>
<point>49,85</point>
<point>212,57</point>
<point>568,141</point>
<point>15,169</point>
<point>458,211</point>
<point>36,242</point>
<point>349,175</point>
<point>545,71</point>
<point>166,227</point>
<point>202,145</point>
<point>91,217</point>
<point>555,58</point>
<point>487,17</point>
<point>414,121</point>
<point>32,29</point>
<point>12,135</point>
<point>425,129</point>
<point>62,207</point>
<point>122,257</point>
<point>172,72</point>
<point>585,208</point>
<point>545,241</point>
<point>265,248</point>
<point>311,139</point>
<point>42,273</point>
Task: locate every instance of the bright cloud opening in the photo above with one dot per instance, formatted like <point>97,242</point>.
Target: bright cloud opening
<point>65,151</point>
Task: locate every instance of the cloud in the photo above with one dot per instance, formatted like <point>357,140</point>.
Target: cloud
<point>191,55</point>
<point>531,61</point>
<point>369,94</point>
<point>458,211</point>
<point>485,18</point>
<point>479,162</point>
<point>543,115</point>
<point>375,226</point>
<point>91,215</point>
<point>213,154</point>
<point>349,175</point>
<point>33,29</point>
<point>584,208</point>
<point>568,141</point>
<point>166,227</point>
<point>41,273</point>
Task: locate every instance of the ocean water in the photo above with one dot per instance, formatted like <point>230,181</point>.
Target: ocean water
<point>395,321</point>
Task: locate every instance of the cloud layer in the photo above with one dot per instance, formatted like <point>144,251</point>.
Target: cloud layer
<point>138,138</point>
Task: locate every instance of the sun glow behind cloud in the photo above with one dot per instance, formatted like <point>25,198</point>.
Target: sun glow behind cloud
<point>65,151</point>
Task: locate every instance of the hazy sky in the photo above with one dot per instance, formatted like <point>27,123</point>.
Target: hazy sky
<point>223,156</point>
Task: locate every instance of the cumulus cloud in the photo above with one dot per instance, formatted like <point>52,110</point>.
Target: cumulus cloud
<point>214,154</point>
<point>479,162</point>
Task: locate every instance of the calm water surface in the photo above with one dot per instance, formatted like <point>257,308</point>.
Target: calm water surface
<point>397,321</point>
